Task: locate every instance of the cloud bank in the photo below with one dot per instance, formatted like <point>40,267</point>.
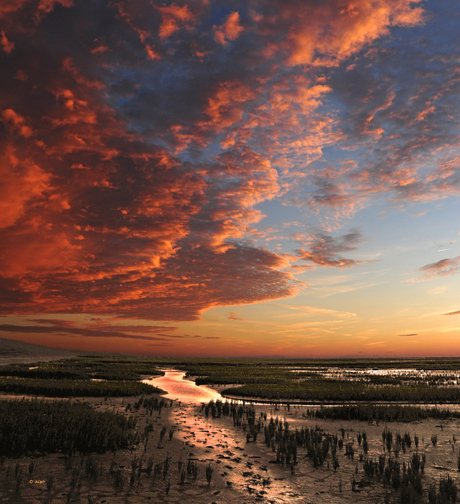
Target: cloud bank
<point>140,141</point>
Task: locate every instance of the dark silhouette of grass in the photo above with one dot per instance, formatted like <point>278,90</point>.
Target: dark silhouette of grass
<point>384,413</point>
<point>30,426</point>
<point>85,368</point>
<point>346,390</point>
<point>74,388</point>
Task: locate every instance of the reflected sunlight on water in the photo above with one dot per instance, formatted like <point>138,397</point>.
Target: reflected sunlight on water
<point>183,390</point>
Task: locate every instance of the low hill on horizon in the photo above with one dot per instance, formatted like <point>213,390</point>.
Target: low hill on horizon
<point>20,352</point>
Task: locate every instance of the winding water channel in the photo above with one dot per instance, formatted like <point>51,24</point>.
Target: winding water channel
<point>240,464</point>
<point>187,391</point>
<point>180,389</point>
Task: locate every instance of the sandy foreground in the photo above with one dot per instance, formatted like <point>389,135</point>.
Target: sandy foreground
<point>242,472</point>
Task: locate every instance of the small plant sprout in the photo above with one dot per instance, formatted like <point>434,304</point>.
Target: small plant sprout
<point>209,471</point>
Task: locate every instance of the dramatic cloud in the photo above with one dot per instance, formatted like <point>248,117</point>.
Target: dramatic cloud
<point>142,143</point>
<point>452,313</point>
<point>327,33</point>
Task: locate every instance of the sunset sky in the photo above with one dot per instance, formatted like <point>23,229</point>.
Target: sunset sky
<point>231,178</point>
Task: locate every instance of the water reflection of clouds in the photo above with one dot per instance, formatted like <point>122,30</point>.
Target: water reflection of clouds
<point>179,389</point>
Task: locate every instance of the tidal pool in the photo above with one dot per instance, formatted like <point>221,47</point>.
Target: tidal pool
<point>183,390</point>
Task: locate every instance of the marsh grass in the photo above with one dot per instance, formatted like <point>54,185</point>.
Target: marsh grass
<point>74,388</point>
<point>29,426</point>
<point>379,413</point>
<point>85,368</point>
<point>325,390</point>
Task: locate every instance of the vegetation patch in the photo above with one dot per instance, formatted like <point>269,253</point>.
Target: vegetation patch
<point>343,390</point>
<point>75,388</point>
<point>380,413</point>
<point>30,426</point>
<point>85,368</point>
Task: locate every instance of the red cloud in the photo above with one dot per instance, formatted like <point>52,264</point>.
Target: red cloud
<point>46,6</point>
<point>15,122</point>
<point>7,45</point>
<point>9,6</point>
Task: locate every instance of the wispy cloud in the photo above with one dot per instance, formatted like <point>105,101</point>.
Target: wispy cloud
<point>73,331</point>
<point>100,330</point>
<point>319,311</point>
<point>444,267</point>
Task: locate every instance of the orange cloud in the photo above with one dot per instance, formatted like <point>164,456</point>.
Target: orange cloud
<point>152,53</point>
<point>9,6</point>
<point>46,6</point>
<point>7,45</point>
<point>23,183</point>
<point>222,108</point>
<point>103,222</point>
<point>230,30</point>
<point>174,18</point>
<point>16,123</point>
<point>327,34</point>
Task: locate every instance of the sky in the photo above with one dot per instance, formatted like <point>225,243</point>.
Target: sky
<point>231,178</point>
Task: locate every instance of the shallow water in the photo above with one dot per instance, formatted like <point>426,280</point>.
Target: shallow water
<point>179,389</point>
<point>248,470</point>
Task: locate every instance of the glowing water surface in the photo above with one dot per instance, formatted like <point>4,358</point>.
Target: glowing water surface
<point>243,465</point>
<point>179,389</point>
